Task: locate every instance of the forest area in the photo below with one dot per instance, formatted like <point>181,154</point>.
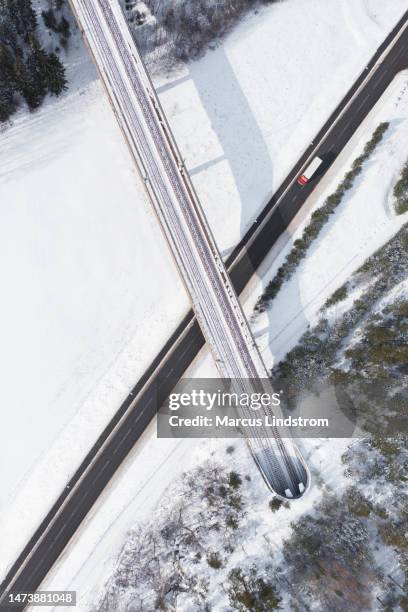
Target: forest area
<point>29,71</point>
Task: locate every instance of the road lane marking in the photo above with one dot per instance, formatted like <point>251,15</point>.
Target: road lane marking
<point>60,531</point>
<point>105,465</point>
<point>186,349</point>
<point>398,55</point>
<point>345,128</point>
<point>363,101</point>
<point>382,77</point>
<point>122,440</point>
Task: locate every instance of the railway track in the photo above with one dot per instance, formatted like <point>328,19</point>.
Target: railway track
<point>160,164</point>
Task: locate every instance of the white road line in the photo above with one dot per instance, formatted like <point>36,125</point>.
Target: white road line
<point>122,440</point>
<point>381,78</point>
<point>363,101</point>
<point>105,465</point>
<point>396,58</point>
<point>186,349</point>
<point>344,128</point>
<point>59,532</point>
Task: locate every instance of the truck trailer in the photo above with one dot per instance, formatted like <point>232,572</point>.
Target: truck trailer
<point>309,171</point>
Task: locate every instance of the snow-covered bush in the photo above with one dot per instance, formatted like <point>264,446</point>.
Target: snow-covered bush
<point>400,192</point>
<point>252,590</point>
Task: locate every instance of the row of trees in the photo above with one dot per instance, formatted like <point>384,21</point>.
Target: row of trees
<point>318,220</point>
<point>27,71</point>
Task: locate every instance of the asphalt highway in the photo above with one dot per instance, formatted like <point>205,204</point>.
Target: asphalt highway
<point>62,521</point>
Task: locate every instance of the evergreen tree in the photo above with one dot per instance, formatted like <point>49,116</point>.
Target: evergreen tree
<point>25,67</point>
<point>7,83</point>
<point>7,71</point>
<point>8,34</point>
<point>55,75</point>
<point>7,105</point>
<point>30,82</point>
<point>20,15</point>
<point>32,75</point>
<point>26,19</point>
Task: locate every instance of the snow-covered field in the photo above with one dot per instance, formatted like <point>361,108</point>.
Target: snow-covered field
<point>84,268</point>
<point>135,494</point>
<point>90,292</point>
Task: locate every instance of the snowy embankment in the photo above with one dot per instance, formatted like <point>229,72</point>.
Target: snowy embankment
<point>133,495</point>
<point>90,292</point>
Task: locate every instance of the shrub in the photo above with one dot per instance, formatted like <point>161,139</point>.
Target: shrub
<point>231,522</point>
<point>249,591</point>
<point>275,504</point>
<point>401,207</point>
<point>214,560</point>
<point>182,30</point>
<point>235,502</point>
<point>394,535</point>
<point>357,503</point>
<point>234,480</point>
<point>400,192</point>
<point>338,296</point>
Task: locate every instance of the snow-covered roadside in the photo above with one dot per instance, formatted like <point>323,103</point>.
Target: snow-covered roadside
<point>83,314</point>
<point>363,222</point>
<point>132,497</point>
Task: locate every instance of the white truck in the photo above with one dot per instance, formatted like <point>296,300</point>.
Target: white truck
<point>309,171</point>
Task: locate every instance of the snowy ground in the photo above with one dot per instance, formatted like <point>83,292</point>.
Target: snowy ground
<point>133,495</point>
<point>83,263</point>
<point>83,307</point>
